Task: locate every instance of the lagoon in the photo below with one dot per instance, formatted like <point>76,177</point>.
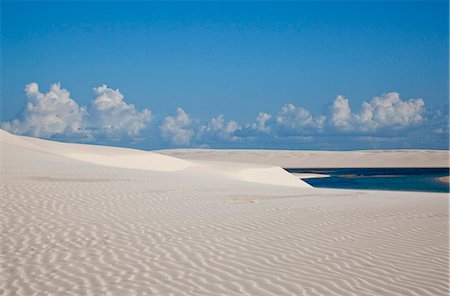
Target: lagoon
<point>401,179</point>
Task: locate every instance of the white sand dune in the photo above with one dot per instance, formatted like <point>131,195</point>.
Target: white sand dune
<point>104,155</point>
<point>144,160</point>
<point>322,159</point>
<point>77,225</point>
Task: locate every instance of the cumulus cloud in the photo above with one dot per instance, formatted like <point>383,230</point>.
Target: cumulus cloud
<point>298,118</point>
<point>110,116</point>
<point>381,119</point>
<point>48,114</point>
<point>261,123</point>
<point>218,128</point>
<point>177,128</point>
<point>387,115</point>
<point>385,111</point>
<point>390,110</point>
<point>341,116</point>
<point>55,113</point>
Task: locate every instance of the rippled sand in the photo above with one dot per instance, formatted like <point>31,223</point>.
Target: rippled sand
<point>73,227</point>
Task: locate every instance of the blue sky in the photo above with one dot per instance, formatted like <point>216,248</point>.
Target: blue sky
<point>291,75</point>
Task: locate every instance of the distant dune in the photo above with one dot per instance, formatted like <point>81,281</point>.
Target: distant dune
<point>95,220</point>
<point>322,159</point>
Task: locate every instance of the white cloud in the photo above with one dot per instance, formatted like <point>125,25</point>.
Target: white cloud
<point>177,128</point>
<point>390,110</point>
<point>383,112</point>
<point>47,114</point>
<point>218,128</point>
<point>298,118</point>
<point>261,122</point>
<point>110,115</point>
<point>341,114</point>
<point>55,113</point>
<point>386,111</point>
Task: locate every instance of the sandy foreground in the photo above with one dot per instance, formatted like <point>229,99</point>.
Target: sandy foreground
<point>95,220</point>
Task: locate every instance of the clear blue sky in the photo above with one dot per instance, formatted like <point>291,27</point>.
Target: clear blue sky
<point>235,59</point>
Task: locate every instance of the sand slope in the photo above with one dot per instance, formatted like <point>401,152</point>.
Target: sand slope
<point>72,227</point>
<point>149,161</point>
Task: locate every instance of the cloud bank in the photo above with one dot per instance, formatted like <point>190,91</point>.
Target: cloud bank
<point>383,121</point>
<point>385,111</point>
<point>47,114</point>
<point>55,113</point>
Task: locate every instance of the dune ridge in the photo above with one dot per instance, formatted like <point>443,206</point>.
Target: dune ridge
<point>73,227</point>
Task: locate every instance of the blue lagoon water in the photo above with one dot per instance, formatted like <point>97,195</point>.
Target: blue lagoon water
<point>404,179</point>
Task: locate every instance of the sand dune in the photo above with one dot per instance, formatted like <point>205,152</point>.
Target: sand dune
<point>74,226</point>
<point>149,161</point>
<point>108,156</point>
<point>322,159</point>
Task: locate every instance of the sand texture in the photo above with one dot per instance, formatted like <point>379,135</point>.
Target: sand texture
<point>74,223</point>
<point>322,159</point>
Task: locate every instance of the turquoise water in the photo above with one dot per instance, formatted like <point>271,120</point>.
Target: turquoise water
<point>404,179</point>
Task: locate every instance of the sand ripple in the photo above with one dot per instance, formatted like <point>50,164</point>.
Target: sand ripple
<point>71,228</point>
